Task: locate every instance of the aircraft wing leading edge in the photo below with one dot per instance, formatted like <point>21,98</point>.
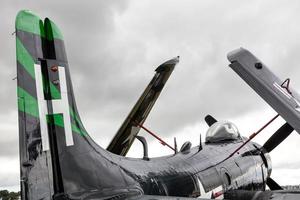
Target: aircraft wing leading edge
<point>276,92</point>
<point>125,136</point>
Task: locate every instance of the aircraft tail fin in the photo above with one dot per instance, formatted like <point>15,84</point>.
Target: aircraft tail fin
<point>125,136</point>
<point>54,145</point>
<point>30,37</point>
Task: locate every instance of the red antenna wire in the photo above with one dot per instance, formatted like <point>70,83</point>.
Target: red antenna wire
<point>287,81</point>
<point>252,136</point>
<point>157,137</point>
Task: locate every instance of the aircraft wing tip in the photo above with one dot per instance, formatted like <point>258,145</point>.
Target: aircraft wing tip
<point>232,55</point>
<point>167,64</point>
<point>174,60</point>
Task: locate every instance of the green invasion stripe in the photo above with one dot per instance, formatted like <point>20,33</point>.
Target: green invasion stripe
<point>31,108</point>
<point>56,31</point>
<point>59,121</point>
<point>53,32</point>
<point>29,22</point>
<point>55,94</point>
<point>78,130</point>
<point>75,128</point>
<point>76,117</point>
<point>31,105</point>
<point>25,58</point>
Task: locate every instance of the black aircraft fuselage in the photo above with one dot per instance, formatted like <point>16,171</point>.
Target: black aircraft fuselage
<point>187,173</point>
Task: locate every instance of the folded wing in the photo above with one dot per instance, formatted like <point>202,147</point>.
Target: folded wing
<point>276,92</point>
<point>125,136</point>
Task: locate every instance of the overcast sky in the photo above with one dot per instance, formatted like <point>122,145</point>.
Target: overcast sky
<point>114,46</point>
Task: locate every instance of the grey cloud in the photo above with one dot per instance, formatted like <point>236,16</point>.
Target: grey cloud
<point>287,165</point>
<point>8,180</point>
<point>9,148</point>
<point>202,83</point>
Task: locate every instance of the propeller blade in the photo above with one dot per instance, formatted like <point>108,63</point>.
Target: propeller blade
<point>281,134</point>
<point>273,185</point>
<point>210,120</point>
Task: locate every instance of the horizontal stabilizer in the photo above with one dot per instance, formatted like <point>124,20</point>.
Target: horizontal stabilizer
<point>276,92</point>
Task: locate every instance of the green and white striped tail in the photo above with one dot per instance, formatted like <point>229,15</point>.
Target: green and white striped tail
<point>48,118</point>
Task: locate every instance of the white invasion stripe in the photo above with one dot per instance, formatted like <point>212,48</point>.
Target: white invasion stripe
<point>203,194</point>
<point>282,90</point>
<point>42,104</point>
<point>58,105</point>
<point>208,194</point>
<point>62,106</point>
<point>218,189</point>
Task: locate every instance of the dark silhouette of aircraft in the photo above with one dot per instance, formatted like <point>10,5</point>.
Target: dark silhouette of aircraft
<point>60,161</point>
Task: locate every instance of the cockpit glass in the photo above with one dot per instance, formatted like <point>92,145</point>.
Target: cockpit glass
<point>222,131</point>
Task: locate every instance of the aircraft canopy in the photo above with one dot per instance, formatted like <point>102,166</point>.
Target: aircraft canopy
<point>222,131</point>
